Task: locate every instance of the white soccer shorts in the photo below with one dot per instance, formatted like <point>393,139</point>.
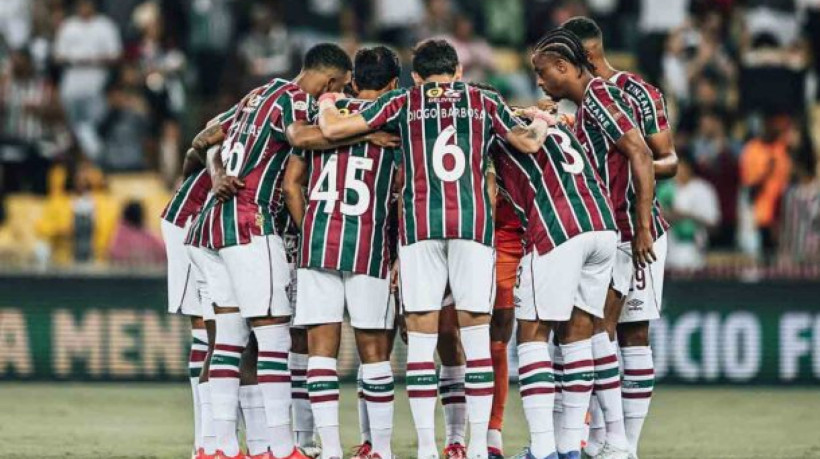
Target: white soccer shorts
<point>260,276</point>
<point>324,293</point>
<point>213,281</point>
<point>574,274</point>
<point>426,266</point>
<point>183,294</point>
<point>645,292</point>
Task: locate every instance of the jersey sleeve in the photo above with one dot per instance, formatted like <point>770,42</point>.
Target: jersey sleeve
<point>501,115</point>
<point>607,106</point>
<point>384,112</point>
<point>295,107</point>
<point>654,118</point>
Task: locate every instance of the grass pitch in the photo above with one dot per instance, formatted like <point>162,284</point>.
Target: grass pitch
<point>51,420</point>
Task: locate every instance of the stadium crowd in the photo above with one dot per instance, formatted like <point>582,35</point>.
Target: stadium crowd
<point>98,98</point>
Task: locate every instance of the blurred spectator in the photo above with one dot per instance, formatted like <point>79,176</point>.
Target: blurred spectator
<point>87,46</point>
<point>691,207</point>
<point>715,161</point>
<point>126,127</point>
<point>657,20</point>
<point>439,19</point>
<point>31,131</point>
<point>800,236</point>
<point>765,170</point>
<point>502,22</point>
<point>15,23</point>
<point>395,22</point>
<point>267,51</point>
<point>134,245</point>
<point>161,65</point>
<point>212,25</point>
<point>474,53</point>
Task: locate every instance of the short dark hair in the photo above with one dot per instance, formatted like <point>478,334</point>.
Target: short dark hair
<point>374,68</point>
<point>434,57</point>
<point>327,55</point>
<point>583,27</point>
<point>133,214</point>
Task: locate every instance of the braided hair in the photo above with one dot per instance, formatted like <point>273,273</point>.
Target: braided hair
<point>565,44</point>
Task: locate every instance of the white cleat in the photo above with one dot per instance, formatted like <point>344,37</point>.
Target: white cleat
<point>313,450</point>
<point>591,450</point>
<point>612,452</point>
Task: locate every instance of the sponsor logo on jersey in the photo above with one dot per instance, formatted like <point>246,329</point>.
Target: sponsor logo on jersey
<point>253,102</point>
<point>439,95</point>
<point>300,105</point>
<point>634,304</point>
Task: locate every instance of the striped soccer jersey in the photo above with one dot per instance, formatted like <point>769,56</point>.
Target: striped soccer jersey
<point>349,194</point>
<point>604,116</point>
<point>555,192</point>
<point>188,199</point>
<point>255,150</point>
<point>446,130</point>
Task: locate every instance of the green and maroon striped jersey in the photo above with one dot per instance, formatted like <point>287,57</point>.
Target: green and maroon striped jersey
<point>604,116</point>
<point>188,199</point>
<point>648,101</point>
<point>446,130</point>
<point>255,149</point>
<point>349,193</point>
<point>556,192</point>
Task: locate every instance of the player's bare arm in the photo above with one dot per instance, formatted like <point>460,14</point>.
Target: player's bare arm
<point>192,163</point>
<point>310,137</point>
<point>208,137</point>
<point>293,187</point>
<point>664,156</point>
<point>529,139</point>
<point>224,186</point>
<point>633,147</point>
<point>336,126</point>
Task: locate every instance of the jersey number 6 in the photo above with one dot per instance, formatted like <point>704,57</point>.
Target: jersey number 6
<point>441,149</point>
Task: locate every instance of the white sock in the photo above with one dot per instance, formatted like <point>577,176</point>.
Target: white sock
<point>361,405</point>
<point>302,414</point>
<point>377,389</point>
<point>608,389</point>
<point>232,334</point>
<point>537,386</point>
<point>274,382</point>
<point>422,390</point>
<point>478,385</point>
<point>577,381</point>
<point>495,439</point>
<point>207,419</point>
<point>558,372</point>
<point>639,380</point>
<point>323,388</point>
<point>597,428</point>
<point>196,358</point>
<point>256,425</point>
<point>451,390</point>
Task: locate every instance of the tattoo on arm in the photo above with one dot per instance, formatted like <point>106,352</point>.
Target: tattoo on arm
<point>208,137</point>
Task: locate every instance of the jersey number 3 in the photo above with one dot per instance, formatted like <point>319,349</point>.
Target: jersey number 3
<point>577,165</point>
<point>330,194</point>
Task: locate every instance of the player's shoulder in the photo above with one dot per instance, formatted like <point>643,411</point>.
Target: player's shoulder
<point>629,80</point>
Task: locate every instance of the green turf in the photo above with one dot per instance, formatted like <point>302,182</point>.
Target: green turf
<point>153,421</point>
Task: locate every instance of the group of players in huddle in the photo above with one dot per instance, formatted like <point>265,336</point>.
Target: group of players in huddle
<point>442,209</point>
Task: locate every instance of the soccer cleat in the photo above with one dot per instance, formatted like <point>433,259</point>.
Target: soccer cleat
<point>494,453</point>
<point>612,452</point>
<point>455,451</point>
<point>201,454</point>
<point>265,455</point>
<point>362,451</point>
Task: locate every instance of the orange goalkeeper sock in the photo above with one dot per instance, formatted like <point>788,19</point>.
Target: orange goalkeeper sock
<point>498,350</point>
